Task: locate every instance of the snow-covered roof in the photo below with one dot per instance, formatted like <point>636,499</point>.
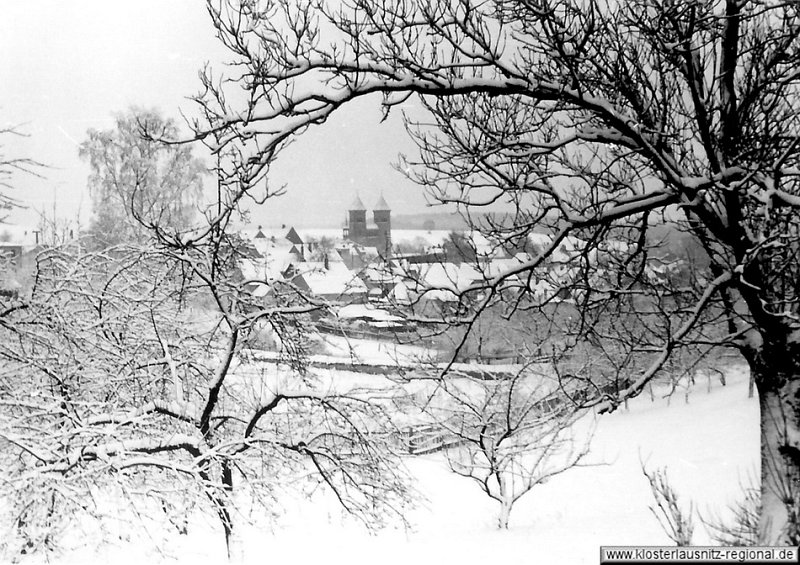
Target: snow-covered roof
<point>276,258</point>
<point>449,275</point>
<point>279,234</point>
<point>260,290</point>
<point>352,311</point>
<point>541,239</point>
<point>294,237</point>
<point>378,275</point>
<point>437,281</point>
<point>357,204</point>
<point>370,252</point>
<point>502,265</point>
<point>569,249</point>
<point>335,280</point>
<point>333,256</point>
<point>381,205</point>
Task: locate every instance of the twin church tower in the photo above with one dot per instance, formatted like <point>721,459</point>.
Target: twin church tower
<point>377,234</point>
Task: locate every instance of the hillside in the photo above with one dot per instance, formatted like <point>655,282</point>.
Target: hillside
<point>707,440</point>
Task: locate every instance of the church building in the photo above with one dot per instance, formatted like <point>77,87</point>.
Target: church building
<point>377,234</point>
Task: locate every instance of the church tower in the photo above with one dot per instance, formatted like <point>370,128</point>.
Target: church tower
<point>357,220</point>
<point>382,215</point>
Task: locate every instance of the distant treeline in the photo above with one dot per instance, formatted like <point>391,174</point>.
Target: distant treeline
<point>429,221</point>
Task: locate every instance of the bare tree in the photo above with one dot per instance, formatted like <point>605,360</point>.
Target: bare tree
<point>740,525</point>
<point>137,183</point>
<point>116,376</point>
<point>321,249</point>
<point>10,167</point>
<point>676,521</point>
<point>591,121</point>
<point>508,432</point>
<point>458,248</point>
<point>128,374</point>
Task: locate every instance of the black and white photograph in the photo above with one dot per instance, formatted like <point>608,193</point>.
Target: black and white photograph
<point>399,282</point>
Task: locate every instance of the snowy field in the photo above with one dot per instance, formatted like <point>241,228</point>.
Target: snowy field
<point>368,351</point>
<point>710,446</point>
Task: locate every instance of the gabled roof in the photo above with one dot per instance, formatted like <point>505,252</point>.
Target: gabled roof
<point>381,205</point>
<point>335,280</point>
<point>298,257</point>
<point>248,250</point>
<point>294,237</point>
<point>357,204</point>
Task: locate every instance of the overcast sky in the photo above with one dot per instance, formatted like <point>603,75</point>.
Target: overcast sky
<point>67,66</point>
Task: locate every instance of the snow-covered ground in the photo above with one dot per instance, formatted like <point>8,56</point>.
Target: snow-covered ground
<point>709,445</point>
<point>369,351</point>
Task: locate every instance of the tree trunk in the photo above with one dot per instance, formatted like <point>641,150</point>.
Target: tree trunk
<point>232,540</point>
<point>223,511</point>
<point>221,503</point>
<point>779,399</point>
<point>505,513</point>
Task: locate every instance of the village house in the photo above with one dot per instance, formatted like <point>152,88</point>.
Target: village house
<point>18,248</point>
<point>329,280</point>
